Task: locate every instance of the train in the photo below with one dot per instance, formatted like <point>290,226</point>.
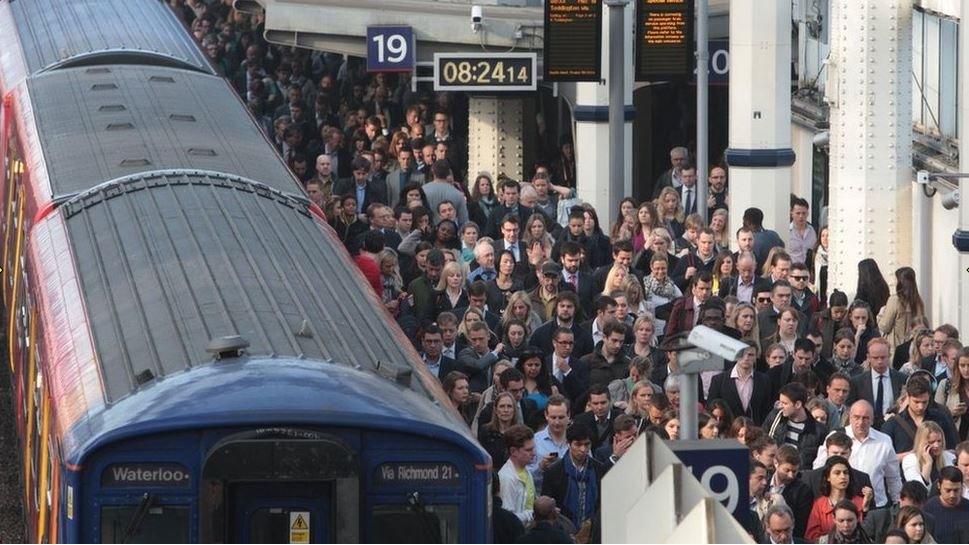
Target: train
<point>194,356</point>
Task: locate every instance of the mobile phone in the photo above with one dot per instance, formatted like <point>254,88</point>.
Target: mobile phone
<point>553,454</point>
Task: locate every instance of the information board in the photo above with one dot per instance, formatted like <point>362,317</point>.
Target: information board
<point>664,39</point>
<point>390,49</point>
<point>485,72</point>
<point>573,40</point>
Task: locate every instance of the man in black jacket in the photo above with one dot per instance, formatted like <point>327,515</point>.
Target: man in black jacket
<point>889,382</point>
<point>786,482</point>
<point>600,416</point>
<point>546,528</point>
<point>792,424</point>
<point>798,365</point>
<point>566,305</point>
<point>579,473</point>
<point>746,391</point>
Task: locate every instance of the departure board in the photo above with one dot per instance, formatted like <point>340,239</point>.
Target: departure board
<point>573,40</point>
<point>664,39</point>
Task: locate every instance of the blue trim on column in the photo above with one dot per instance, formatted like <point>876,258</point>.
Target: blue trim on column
<point>599,114</point>
<point>960,239</point>
<point>763,158</point>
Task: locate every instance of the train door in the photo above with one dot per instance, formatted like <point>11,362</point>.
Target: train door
<point>280,513</point>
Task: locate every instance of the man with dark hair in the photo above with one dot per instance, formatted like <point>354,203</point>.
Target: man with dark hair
<point>574,233</point>
<point>792,424</point>
<point>803,299</point>
<point>566,305</point>
<point>836,400</point>
<point>476,360</point>
<point>903,426</point>
<point>622,254</point>
<point>625,430</point>
<point>517,487</point>
<point>509,204</point>
<point>510,229</point>
<point>696,261</point>
<point>780,294</point>
<point>786,482</point>
<point>683,315</point>
<point>600,416</point>
<point>431,345</point>
<point>543,295</point>
<point>606,363</point>
<point>605,309</point>
<point>440,189</point>
<point>360,186</point>
<point>881,384</point>
<point>510,380</point>
<point>764,239</point>
<point>550,442</point>
<point>575,278</point>
<point>574,481</point>
<point>422,288</point>
<point>949,508</point>
<point>797,365</point>
<point>802,235</point>
<point>936,364</point>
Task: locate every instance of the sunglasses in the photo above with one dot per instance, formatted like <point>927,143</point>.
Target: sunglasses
<point>763,299</point>
<point>799,277</point>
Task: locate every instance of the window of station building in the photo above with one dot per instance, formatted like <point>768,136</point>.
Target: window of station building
<point>160,524</point>
<point>409,524</point>
<point>935,61</point>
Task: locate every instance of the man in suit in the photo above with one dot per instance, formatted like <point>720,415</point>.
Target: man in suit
<point>431,343</point>
<point>340,157</point>
<point>786,482</point>
<point>880,385</point>
<point>600,416</point>
<point>781,295</point>
<point>510,194</point>
<point>366,192</point>
<point>683,314</point>
<point>745,390</point>
<point>510,229</point>
<point>837,444</point>
<point>687,191</point>
<point>605,308</point>
<point>575,279</point>
<point>400,176</point>
<point>702,259</point>
<point>746,284</point>
<point>381,218</point>
<point>679,157</point>
<point>566,305</point>
<point>799,364</point>
<point>936,364</point>
<point>476,360</point>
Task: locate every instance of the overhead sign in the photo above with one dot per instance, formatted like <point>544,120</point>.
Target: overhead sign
<point>722,467</point>
<point>573,40</point>
<point>145,475</point>
<point>718,63</point>
<point>485,71</point>
<point>664,39</point>
<point>417,474</point>
<point>390,49</point>
<point>299,526</point>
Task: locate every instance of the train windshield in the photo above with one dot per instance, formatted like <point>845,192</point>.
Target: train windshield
<point>415,524</point>
<point>160,524</point>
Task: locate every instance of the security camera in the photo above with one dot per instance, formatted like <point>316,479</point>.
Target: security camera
<point>476,18</point>
<point>922,177</point>
<point>717,343</point>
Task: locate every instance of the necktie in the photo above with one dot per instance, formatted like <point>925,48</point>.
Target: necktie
<point>574,280</point>
<point>689,201</point>
<point>880,398</point>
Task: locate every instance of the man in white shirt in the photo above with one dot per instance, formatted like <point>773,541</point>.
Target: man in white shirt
<point>871,452</point>
<point>802,236</point>
<point>517,486</point>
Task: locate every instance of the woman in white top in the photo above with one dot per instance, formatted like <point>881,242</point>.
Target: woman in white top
<point>928,456</point>
<point>658,288</point>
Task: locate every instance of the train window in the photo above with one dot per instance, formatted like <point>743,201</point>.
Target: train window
<point>409,524</point>
<point>161,524</point>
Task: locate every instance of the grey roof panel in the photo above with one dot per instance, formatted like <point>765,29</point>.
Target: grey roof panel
<point>56,33</point>
<point>167,262</point>
<point>101,123</point>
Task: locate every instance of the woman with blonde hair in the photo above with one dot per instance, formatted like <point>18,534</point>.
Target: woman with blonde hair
<point>616,279</point>
<point>786,334</point>
<point>720,222</point>
<point>921,348</point>
<point>669,210</point>
<point>647,220</point>
<point>520,306</point>
<point>536,230</point>
<point>634,296</point>
<point>928,456</point>
<point>451,292</point>
<point>744,319</point>
<point>640,400</point>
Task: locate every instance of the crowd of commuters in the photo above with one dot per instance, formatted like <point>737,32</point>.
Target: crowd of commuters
<point>556,337</point>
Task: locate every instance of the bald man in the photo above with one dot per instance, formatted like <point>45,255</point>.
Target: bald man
<point>546,528</point>
<point>871,452</point>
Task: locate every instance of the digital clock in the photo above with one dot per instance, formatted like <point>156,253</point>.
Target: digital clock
<point>485,71</point>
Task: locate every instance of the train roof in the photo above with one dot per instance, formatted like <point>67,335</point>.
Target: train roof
<point>97,124</point>
<point>169,262</point>
<point>57,34</point>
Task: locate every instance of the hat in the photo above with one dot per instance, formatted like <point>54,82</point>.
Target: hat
<point>551,267</point>
<point>675,343</point>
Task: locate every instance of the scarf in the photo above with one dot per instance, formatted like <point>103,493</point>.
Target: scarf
<point>577,507</point>
<point>665,289</point>
<point>859,536</point>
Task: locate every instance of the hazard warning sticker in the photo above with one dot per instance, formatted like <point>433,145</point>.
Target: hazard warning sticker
<point>299,526</point>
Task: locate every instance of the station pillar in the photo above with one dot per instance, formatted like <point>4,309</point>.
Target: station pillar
<point>496,136</point>
<point>870,93</point>
<point>961,237</point>
<point>760,154</point>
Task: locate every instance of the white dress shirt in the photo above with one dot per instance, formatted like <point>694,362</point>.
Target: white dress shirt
<point>876,457</point>
<point>889,395</point>
<point>597,335</point>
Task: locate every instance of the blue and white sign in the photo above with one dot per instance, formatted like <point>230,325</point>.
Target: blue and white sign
<point>723,467</point>
<point>718,66</point>
<point>390,49</point>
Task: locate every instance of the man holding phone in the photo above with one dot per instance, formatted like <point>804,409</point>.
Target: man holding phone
<point>550,443</point>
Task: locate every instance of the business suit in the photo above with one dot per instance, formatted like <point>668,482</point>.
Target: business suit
<point>447,365</point>
<point>728,286</point>
<point>374,192</point>
<point>688,208</point>
<point>542,338</point>
<point>501,244</point>
<point>586,291</point>
<point>861,388</point>
<point>498,216</point>
<point>784,373</point>
<point>588,419</point>
<point>477,367</point>
<point>724,387</point>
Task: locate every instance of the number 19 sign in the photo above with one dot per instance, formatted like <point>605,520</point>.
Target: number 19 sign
<point>390,49</point>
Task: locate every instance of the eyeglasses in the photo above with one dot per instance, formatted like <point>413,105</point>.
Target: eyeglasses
<point>763,299</point>
<point>799,278</point>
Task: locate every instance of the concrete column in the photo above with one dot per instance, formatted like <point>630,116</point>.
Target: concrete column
<point>760,154</point>
<point>495,137</point>
<point>961,237</point>
<point>870,92</point>
<point>591,115</point>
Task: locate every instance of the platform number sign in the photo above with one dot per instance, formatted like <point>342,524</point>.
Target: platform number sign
<point>390,49</point>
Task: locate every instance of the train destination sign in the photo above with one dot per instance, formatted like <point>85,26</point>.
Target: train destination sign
<point>573,40</point>
<point>145,474</point>
<point>664,39</point>
<point>417,473</point>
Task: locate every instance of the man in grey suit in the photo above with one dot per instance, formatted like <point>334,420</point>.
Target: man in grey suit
<point>400,176</point>
<point>440,189</point>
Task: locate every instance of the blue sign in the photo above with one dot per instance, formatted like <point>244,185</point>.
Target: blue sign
<point>390,49</point>
<point>723,467</point>
<point>718,65</point>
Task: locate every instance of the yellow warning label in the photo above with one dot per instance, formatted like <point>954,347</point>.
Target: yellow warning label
<point>299,527</point>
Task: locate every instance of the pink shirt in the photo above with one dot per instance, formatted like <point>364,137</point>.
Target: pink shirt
<point>745,386</point>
